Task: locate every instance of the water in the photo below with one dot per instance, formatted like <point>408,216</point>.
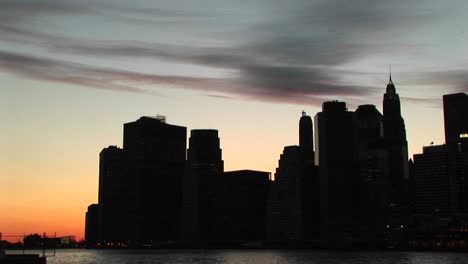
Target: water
<point>81,256</point>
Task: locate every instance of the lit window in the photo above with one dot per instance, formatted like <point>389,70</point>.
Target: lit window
<point>464,135</point>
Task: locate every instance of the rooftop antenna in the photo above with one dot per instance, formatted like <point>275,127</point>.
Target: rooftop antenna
<point>390,71</point>
<point>390,74</point>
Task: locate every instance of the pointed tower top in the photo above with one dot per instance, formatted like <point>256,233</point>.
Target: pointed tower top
<point>390,74</point>
<point>390,86</point>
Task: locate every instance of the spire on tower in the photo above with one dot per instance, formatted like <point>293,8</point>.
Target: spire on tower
<point>390,74</point>
<point>390,86</point>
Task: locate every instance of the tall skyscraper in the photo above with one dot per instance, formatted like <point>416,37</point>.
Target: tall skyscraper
<point>294,195</point>
<point>310,187</point>
<point>92,226</point>
<point>455,118</point>
<point>306,137</point>
<point>140,184</point>
<point>440,175</point>
<point>432,181</point>
<point>112,179</point>
<point>285,205</point>
<point>373,172</point>
<point>156,160</point>
<point>456,139</point>
<point>201,183</point>
<point>151,138</point>
<point>336,156</point>
<point>395,139</point>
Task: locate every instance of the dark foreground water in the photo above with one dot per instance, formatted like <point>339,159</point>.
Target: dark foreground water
<point>81,256</point>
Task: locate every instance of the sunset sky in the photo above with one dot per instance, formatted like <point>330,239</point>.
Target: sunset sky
<point>72,72</point>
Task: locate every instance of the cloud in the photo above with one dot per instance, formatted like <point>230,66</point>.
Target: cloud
<point>102,78</point>
<point>292,55</point>
<point>63,72</point>
<point>20,11</point>
<point>451,80</point>
<point>431,102</point>
<point>18,18</point>
<point>445,82</point>
<point>118,80</point>
<point>154,16</point>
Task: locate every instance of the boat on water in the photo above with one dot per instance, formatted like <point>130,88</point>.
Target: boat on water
<point>21,258</point>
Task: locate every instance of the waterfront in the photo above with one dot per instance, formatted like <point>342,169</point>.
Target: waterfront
<point>82,256</point>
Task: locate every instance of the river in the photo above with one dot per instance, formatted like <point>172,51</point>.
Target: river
<point>82,256</point>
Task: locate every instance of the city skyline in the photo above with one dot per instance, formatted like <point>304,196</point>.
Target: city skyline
<point>356,188</point>
<point>73,73</point>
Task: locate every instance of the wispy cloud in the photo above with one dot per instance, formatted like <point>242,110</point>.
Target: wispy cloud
<point>20,11</point>
<point>65,72</point>
<point>435,102</point>
<point>118,80</point>
<point>292,55</point>
<point>452,80</point>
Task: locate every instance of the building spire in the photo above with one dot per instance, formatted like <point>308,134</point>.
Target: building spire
<point>390,86</point>
<point>390,74</point>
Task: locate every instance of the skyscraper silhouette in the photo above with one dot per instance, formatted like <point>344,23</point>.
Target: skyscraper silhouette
<point>432,181</point>
<point>395,139</point>
<point>310,187</point>
<point>201,183</point>
<point>440,174</point>
<point>456,139</point>
<point>336,156</point>
<point>241,205</point>
<point>306,137</point>
<point>293,200</point>
<point>374,182</point>
<point>92,225</point>
<point>455,118</point>
<point>140,185</point>
<point>285,205</point>
<point>156,159</point>
<point>112,179</point>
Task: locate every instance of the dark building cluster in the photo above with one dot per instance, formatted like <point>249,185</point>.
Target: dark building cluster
<point>350,185</point>
<point>154,191</point>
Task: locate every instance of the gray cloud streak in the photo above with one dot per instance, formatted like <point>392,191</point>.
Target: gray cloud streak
<point>118,80</point>
<point>290,58</point>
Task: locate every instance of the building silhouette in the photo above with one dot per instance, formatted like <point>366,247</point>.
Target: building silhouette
<point>441,172</point>
<point>113,167</point>
<point>349,185</point>
<point>220,207</point>
<point>336,156</point>
<point>432,181</point>
<point>92,226</point>
<point>285,209</point>
<point>397,146</point>
<point>374,181</point>
<point>140,185</point>
<point>456,139</point>
<point>156,159</point>
<point>202,180</point>
<point>310,185</point>
<point>306,137</point>
<point>242,207</point>
<point>293,198</point>
<point>455,118</point>
<point>440,179</point>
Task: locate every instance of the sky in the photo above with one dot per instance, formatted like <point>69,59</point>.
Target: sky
<point>72,72</point>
